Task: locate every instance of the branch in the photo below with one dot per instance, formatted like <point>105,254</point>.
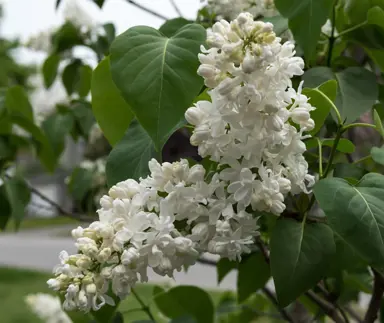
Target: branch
<point>177,9</point>
<point>150,11</point>
<point>328,308</point>
<point>333,300</point>
<point>62,212</point>
<point>273,299</point>
<point>374,304</point>
<point>266,291</point>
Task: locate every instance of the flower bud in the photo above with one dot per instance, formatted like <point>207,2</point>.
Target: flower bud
<point>206,71</point>
<point>91,289</point>
<point>55,284</point>
<point>249,63</point>
<point>274,122</point>
<point>196,174</point>
<point>227,85</point>
<point>84,262</point>
<point>82,300</point>
<point>130,256</point>
<point>106,272</point>
<point>299,115</point>
<point>200,230</point>
<point>77,233</point>
<point>106,202</point>
<point>277,207</point>
<point>284,185</point>
<point>215,248</point>
<point>104,255</point>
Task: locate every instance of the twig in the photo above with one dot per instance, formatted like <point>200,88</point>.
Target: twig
<point>333,300</point>
<point>266,291</point>
<point>148,10</point>
<point>263,250</point>
<point>62,212</point>
<point>332,37</point>
<point>353,314</point>
<point>177,9</point>
<point>374,304</point>
<point>144,307</point>
<point>328,308</point>
<point>273,299</point>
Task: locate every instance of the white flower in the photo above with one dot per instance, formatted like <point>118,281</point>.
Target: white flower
<point>47,308</point>
<point>246,127</point>
<point>74,12</point>
<point>231,8</point>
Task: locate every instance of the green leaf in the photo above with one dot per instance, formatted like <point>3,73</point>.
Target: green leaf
<point>130,157</point>
<point>345,146</point>
<point>357,89</point>
<point>300,255</point>
<point>322,98</point>
<point>5,208</point>
<point>50,66</point>
<point>280,24</point>
<point>110,32</point>
<point>253,274</point>
<point>378,155</point>
<point>19,195</point>
<point>306,17</point>
<point>66,38</point>
<point>375,16</point>
<point>224,266</point>
<point>349,172</point>
<point>157,76</point>
<point>316,76</point>
<point>377,55</point>
<point>45,151</point>
<point>345,258</point>
<point>172,26</point>
<point>17,102</point>
<point>80,183</point>
<point>377,120</point>
<point>71,76</point>
<point>83,116</point>
<point>56,128</point>
<point>84,83</point>
<point>99,3</point>
<point>356,213</point>
<point>177,303</point>
<point>112,113</point>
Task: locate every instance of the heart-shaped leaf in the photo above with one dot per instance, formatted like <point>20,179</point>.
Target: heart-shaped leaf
<point>306,17</point>
<point>157,75</point>
<point>357,89</point>
<point>356,213</point>
<point>130,157</point>
<point>300,255</point>
<point>112,113</point>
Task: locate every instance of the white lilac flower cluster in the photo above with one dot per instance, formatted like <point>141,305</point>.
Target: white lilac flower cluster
<point>232,8</point>
<point>73,11</point>
<point>165,221</point>
<point>138,229</point>
<point>47,308</point>
<point>248,126</point>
